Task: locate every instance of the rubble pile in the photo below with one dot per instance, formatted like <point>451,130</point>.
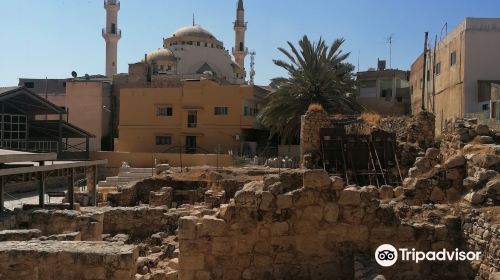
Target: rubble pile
<point>464,167</point>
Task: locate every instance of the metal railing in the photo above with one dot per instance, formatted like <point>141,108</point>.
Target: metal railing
<point>30,146</point>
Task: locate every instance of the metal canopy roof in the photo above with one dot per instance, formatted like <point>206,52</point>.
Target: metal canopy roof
<point>20,100</point>
<point>7,156</point>
<point>50,128</point>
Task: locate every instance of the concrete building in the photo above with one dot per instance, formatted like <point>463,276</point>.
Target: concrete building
<point>53,90</point>
<point>111,35</point>
<point>22,129</point>
<point>460,71</point>
<point>199,116</point>
<point>86,102</point>
<point>384,91</point>
<point>190,59</point>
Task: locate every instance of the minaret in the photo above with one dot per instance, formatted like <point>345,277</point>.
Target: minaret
<point>240,26</point>
<point>111,34</point>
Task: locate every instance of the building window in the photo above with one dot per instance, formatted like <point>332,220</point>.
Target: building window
<point>29,84</point>
<point>453,58</point>
<point>241,46</point>
<point>190,144</point>
<point>190,43</point>
<point>163,140</point>
<point>484,91</point>
<point>221,111</point>
<point>250,111</point>
<point>198,44</point>
<point>486,107</point>
<point>14,128</point>
<point>421,83</point>
<point>192,119</point>
<point>437,71</point>
<point>206,44</point>
<point>399,99</point>
<point>164,111</point>
<point>113,28</point>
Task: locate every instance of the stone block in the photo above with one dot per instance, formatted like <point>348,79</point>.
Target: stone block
<point>221,246</point>
<point>386,192</point>
<point>337,183</point>
<point>191,262</point>
<point>482,129</point>
<point>187,227</point>
<point>19,234</point>
<point>331,212</point>
<point>211,226</point>
<point>398,191</point>
<point>284,201</point>
<point>455,162</point>
<point>279,228</point>
<point>350,196</point>
<point>316,179</point>
<point>266,201</point>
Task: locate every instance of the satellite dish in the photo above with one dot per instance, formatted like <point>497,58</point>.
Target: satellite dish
<point>73,74</point>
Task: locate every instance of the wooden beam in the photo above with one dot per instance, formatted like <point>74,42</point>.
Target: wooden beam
<point>2,187</point>
<point>94,190</point>
<point>71,190</point>
<point>41,194</point>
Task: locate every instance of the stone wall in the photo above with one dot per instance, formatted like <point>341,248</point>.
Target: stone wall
<point>482,234</point>
<point>47,260</point>
<point>142,221</point>
<point>139,192</point>
<point>54,222</point>
<point>316,231</point>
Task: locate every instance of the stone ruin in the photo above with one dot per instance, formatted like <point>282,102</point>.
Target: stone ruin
<point>265,223</point>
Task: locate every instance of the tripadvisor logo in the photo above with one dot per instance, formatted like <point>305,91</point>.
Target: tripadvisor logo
<point>387,255</point>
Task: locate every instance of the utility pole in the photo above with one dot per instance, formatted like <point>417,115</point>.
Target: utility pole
<point>424,70</point>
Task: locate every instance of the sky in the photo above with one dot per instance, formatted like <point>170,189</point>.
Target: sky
<point>52,38</point>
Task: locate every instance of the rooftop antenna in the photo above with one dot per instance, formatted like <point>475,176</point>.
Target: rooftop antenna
<point>359,53</point>
<point>389,41</point>
<point>252,66</point>
<point>445,27</point>
<point>193,20</point>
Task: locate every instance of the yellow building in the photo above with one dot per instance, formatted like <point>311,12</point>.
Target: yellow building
<point>202,116</point>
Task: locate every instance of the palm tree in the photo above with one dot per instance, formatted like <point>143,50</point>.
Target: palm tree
<point>316,74</point>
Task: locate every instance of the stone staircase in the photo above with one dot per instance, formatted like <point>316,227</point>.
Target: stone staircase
<point>125,176</point>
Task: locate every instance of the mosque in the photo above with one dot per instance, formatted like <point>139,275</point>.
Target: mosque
<point>190,51</point>
<point>190,94</point>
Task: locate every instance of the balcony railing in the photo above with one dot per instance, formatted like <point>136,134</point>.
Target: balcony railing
<point>110,3</point>
<point>118,33</point>
<point>30,146</point>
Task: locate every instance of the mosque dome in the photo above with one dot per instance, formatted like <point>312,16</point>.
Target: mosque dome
<point>193,31</point>
<point>161,54</point>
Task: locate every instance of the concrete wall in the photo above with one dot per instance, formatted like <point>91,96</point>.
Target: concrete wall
<point>139,124</point>
<point>144,160</point>
<point>85,101</point>
<point>482,58</point>
<point>475,42</point>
